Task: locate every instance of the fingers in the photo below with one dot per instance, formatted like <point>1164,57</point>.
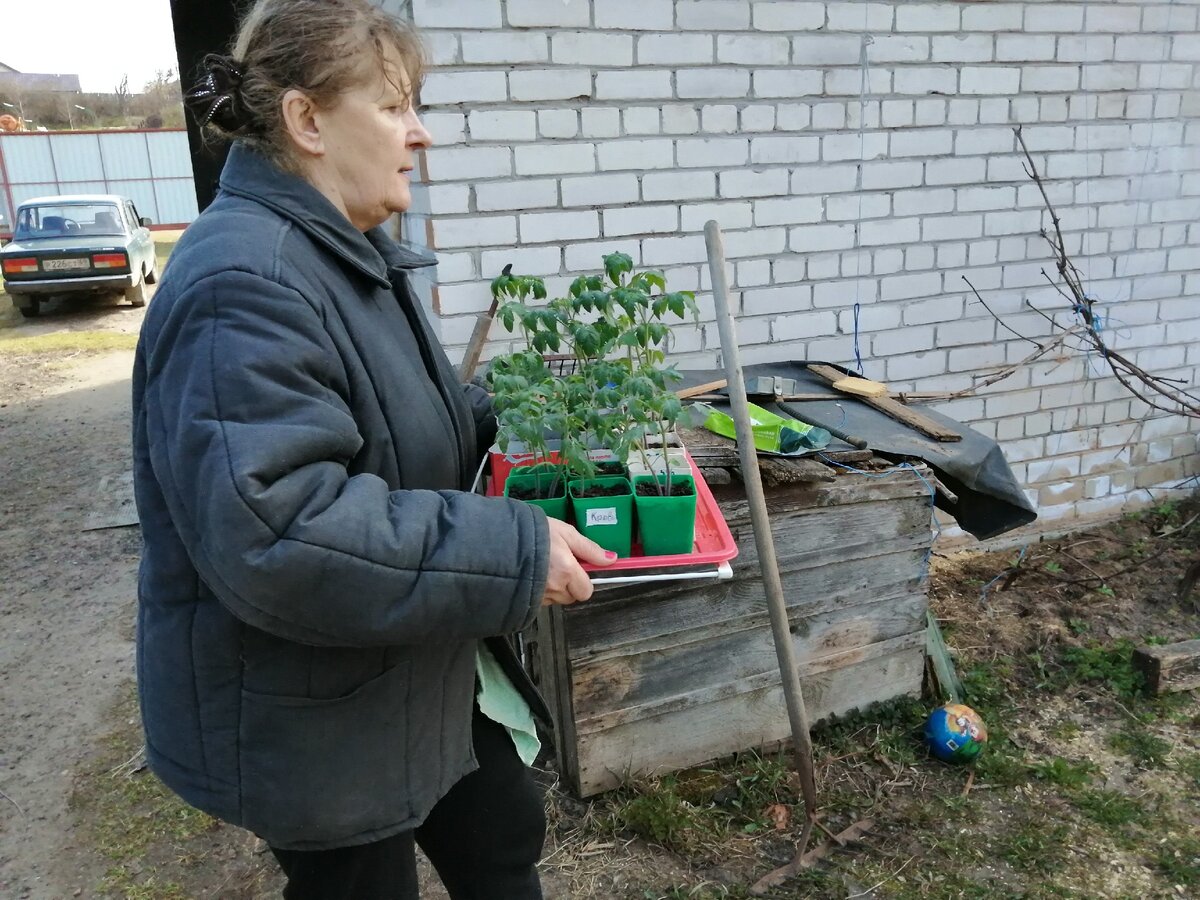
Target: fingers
<point>566,580</point>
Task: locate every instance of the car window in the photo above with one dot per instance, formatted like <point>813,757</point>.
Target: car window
<point>67,220</point>
<point>131,214</point>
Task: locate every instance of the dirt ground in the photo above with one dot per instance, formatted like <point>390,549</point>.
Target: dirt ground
<point>1087,789</point>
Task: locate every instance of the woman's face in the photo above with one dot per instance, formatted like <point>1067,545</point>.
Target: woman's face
<point>370,138</point>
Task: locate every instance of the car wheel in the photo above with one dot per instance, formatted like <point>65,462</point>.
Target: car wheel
<point>152,275</point>
<point>136,295</point>
<point>31,308</point>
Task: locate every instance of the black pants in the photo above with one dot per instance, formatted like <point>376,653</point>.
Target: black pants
<point>484,838</point>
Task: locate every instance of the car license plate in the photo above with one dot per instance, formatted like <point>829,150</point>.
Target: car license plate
<point>59,265</point>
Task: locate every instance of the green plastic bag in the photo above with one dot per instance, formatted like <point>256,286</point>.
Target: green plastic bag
<point>772,433</point>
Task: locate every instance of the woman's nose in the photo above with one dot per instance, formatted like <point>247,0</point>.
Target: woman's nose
<point>419,137</point>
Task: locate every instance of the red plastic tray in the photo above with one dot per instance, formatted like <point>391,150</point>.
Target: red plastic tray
<point>714,542</point>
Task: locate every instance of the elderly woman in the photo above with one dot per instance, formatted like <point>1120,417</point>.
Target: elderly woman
<point>322,602</point>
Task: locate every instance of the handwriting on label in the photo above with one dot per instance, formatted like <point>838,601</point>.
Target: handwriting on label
<point>603,516</point>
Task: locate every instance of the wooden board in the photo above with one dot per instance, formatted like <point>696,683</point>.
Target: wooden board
<point>698,734</point>
<point>1169,667</point>
<point>894,409</point>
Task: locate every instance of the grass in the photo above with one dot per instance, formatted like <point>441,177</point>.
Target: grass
<point>1110,808</point>
<point>130,817</point>
<point>68,342</point>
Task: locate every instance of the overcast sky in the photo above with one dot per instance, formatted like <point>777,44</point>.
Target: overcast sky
<point>98,40</point>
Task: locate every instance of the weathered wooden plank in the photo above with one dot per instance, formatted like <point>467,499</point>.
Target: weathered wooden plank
<point>717,662</point>
<point>1169,667</point>
<point>695,735</point>
<point>894,409</point>
<point>846,490</point>
<point>596,629</point>
<point>555,685</point>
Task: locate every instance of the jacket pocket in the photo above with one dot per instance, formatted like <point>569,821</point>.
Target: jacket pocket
<point>322,773</point>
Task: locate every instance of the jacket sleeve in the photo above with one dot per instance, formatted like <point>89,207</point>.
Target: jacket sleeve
<point>485,418</point>
<point>249,437</point>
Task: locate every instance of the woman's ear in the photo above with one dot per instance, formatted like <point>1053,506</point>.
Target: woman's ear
<point>300,120</point>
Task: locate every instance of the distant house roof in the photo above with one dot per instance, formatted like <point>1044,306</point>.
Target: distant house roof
<point>30,82</point>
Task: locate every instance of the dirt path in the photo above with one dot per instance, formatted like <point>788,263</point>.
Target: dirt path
<point>66,598</point>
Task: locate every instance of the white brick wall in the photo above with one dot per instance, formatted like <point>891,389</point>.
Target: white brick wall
<point>571,128</point>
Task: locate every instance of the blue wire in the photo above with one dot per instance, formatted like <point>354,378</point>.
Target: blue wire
<point>857,352</point>
<point>937,528</point>
<point>987,587</point>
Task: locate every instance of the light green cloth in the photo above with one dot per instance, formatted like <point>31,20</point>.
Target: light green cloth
<point>503,703</point>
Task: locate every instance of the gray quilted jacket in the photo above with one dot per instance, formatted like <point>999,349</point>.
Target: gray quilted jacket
<point>314,578</point>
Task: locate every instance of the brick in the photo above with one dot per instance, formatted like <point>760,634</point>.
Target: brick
<point>1049,78</point>
<point>787,15</point>
<point>983,141</point>
<point>444,88</point>
<point>1025,47</point>
<point>475,231</point>
<point>599,190</point>
<point>668,251</point>
<point>641,219</point>
<point>889,231</point>
<point>442,47</point>
<point>750,273</point>
<point>590,48</point>
<point>757,118</point>
<point>787,211</point>
<point>558,123</point>
<point>555,159</point>
<point>1085,48</point>
<point>450,14</point>
<point>792,116</point>
<point>636,154</point>
<point>540,261</point>
<point>865,146</point>
<point>804,325</point>
<point>550,84</point>
<point>446,128</point>
<point>721,118</point>
<point>712,82</point>
<point>782,299</point>
<point>962,48</point>
<point>759,242</point>
<point>824,179</point>
<point>859,17</point>
<point>826,50</point>
<point>460,163</point>
<point>731,216</point>
<point>779,149</point>
<point>548,13</point>
<point>848,82</point>
<point>680,119</point>
<point>456,267</point>
<point>712,15</point>
<point>787,83</point>
<point>922,142</point>
<point>674,49</point>
<point>872,317</point>
<point>642,120</point>
<point>505,47</point>
<point>879,175</point>
<point>920,202</point>
<point>527,193</point>
<point>895,113</point>
<point>441,199</point>
<point>955,171</point>
<point>982,198</point>
<point>931,111</point>
<point>711,152</point>
<point>585,257</point>
<point>855,206</point>
<point>992,17</point>
<point>678,185</point>
<point>634,85</point>
<point>558,226</point>
<point>922,80</point>
<point>927,17</point>
<point>815,238</point>
<point>888,48</point>
<point>635,15</point>
<point>918,259</point>
<point>1059,17</point>
<point>601,121</point>
<point>502,125</point>
<point>744,182</point>
<point>923,312</point>
<point>756,49</point>
<point>989,80</point>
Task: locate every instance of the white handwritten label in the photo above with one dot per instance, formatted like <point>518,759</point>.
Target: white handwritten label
<point>604,516</point>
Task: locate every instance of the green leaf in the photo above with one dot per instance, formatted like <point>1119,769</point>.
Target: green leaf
<point>616,265</point>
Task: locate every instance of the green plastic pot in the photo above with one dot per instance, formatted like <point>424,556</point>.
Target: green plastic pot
<point>666,524</point>
<point>606,520</point>
<point>532,477</point>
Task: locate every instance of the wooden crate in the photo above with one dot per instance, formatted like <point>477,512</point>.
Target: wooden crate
<point>648,679</point>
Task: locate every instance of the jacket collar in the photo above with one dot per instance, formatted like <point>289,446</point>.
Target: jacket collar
<point>249,174</point>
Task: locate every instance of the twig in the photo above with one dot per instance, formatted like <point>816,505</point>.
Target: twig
<point>13,802</point>
<point>970,781</point>
<point>873,887</point>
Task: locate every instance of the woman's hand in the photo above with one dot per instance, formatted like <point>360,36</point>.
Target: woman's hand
<point>567,582</point>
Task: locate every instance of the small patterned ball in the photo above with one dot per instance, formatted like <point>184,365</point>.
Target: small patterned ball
<point>955,733</point>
